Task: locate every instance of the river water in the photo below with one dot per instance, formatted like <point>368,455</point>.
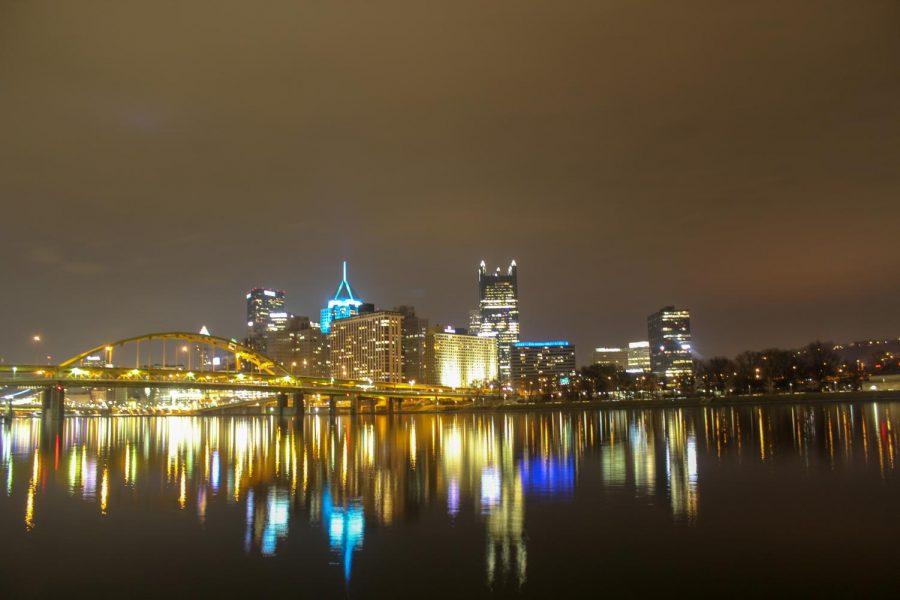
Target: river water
<point>774,500</point>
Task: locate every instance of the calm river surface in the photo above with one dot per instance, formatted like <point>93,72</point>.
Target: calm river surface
<point>774,500</point>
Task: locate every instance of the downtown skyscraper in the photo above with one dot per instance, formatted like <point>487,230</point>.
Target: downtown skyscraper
<point>265,316</point>
<point>342,306</point>
<point>498,308</point>
<point>669,333</point>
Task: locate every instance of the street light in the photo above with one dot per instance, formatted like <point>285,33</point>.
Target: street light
<point>185,349</point>
<point>36,339</point>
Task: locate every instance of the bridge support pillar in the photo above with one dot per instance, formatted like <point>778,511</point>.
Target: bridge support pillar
<point>354,404</point>
<point>394,405</point>
<point>53,401</point>
<point>282,404</point>
<point>298,402</point>
<point>332,403</point>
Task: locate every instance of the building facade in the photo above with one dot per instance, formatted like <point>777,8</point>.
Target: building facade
<point>669,333</point>
<point>415,330</point>
<point>456,359</point>
<point>542,367</point>
<point>367,346</point>
<point>611,357</point>
<point>301,348</point>
<point>498,308</point>
<point>266,317</point>
<point>342,306</point>
<point>638,357</point>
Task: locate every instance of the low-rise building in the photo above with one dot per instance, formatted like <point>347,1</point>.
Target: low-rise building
<point>611,357</point>
<point>456,359</point>
<point>542,367</point>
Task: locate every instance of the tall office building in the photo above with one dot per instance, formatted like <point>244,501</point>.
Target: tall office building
<point>611,357</point>
<point>265,317</point>
<point>499,310</point>
<point>456,359</point>
<point>542,366</point>
<point>638,357</point>
<point>669,333</point>
<point>301,348</point>
<point>367,346</point>
<point>343,305</point>
<point>415,329</point>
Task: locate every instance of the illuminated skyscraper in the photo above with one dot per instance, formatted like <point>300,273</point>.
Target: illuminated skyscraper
<point>342,306</point>
<point>265,316</point>
<point>499,309</point>
<point>669,331</point>
<point>367,346</point>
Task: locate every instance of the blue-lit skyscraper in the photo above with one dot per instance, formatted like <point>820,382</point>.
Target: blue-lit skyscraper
<point>342,306</point>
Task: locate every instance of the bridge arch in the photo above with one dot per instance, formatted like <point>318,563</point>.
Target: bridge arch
<point>241,353</point>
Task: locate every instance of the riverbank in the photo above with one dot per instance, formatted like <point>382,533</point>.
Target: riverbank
<point>718,401</point>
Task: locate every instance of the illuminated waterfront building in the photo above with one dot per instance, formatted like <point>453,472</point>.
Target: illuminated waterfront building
<point>612,357</point>
<point>542,366</point>
<point>265,317</point>
<point>499,312</point>
<point>415,329</point>
<point>669,332</point>
<point>367,346</point>
<point>456,359</point>
<point>342,306</point>
<point>638,357</point>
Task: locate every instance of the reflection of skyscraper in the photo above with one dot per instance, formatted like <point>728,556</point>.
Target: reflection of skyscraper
<point>341,306</point>
<point>681,467</point>
<point>503,499</point>
<point>499,308</point>
<point>265,316</point>
<point>346,528</point>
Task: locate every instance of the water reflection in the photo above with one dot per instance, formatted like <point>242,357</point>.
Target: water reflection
<point>341,476</point>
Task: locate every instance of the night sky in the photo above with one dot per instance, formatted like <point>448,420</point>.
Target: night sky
<point>741,159</point>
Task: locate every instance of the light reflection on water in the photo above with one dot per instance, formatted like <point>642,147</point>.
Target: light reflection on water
<point>345,475</point>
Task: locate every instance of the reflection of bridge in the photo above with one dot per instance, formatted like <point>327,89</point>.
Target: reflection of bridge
<point>243,370</point>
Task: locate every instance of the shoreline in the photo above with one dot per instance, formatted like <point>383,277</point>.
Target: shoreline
<point>567,405</point>
<point>719,401</point>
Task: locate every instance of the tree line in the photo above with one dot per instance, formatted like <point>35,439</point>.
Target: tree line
<point>813,368</point>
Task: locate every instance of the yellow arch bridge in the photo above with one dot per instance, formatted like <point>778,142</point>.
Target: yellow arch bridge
<point>216,366</point>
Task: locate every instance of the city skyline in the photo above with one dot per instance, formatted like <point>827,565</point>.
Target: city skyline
<point>585,352</point>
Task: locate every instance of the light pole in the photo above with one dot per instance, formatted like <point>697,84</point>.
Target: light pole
<point>186,349</point>
<point>36,339</point>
